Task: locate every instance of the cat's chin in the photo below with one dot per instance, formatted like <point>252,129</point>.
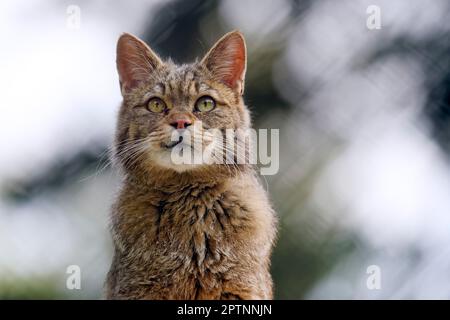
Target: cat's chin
<point>179,167</point>
<point>164,160</point>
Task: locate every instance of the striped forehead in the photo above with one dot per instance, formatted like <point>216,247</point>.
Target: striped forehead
<point>180,84</point>
<point>178,81</point>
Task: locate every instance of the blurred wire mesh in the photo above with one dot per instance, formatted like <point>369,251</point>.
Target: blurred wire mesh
<point>364,137</point>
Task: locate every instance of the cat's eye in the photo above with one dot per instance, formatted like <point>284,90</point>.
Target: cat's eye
<point>205,104</point>
<point>156,105</point>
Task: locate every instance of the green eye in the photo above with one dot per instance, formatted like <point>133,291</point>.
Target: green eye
<point>156,105</point>
<point>205,104</point>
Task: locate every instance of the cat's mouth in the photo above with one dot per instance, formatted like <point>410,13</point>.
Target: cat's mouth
<point>173,143</point>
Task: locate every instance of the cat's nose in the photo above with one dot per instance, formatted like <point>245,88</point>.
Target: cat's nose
<point>181,123</point>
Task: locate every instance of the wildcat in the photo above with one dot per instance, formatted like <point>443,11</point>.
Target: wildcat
<point>189,231</point>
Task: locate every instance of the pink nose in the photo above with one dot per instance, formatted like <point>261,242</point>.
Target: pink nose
<point>181,123</point>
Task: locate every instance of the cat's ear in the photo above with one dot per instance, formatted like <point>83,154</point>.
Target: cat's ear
<point>227,61</point>
<point>135,61</point>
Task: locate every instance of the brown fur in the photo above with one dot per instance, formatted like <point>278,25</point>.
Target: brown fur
<point>194,232</point>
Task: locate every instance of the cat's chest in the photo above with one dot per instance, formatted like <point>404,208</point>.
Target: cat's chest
<point>194,228</point>
<point>205,213</point>
<point>200,229</point>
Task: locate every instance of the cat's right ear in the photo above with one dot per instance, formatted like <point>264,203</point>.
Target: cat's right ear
<point>135,61</point>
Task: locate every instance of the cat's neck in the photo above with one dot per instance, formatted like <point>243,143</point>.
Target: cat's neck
<point>172,181</point>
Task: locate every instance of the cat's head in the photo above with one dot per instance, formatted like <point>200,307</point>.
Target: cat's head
<point>166,105</point>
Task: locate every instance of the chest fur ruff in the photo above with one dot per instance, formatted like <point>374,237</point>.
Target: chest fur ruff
<point>189,243</point>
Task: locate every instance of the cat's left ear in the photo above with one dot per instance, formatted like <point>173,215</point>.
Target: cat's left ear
<point>227,61</point>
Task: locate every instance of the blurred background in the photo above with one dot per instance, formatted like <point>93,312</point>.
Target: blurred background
<point>364,119</point>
